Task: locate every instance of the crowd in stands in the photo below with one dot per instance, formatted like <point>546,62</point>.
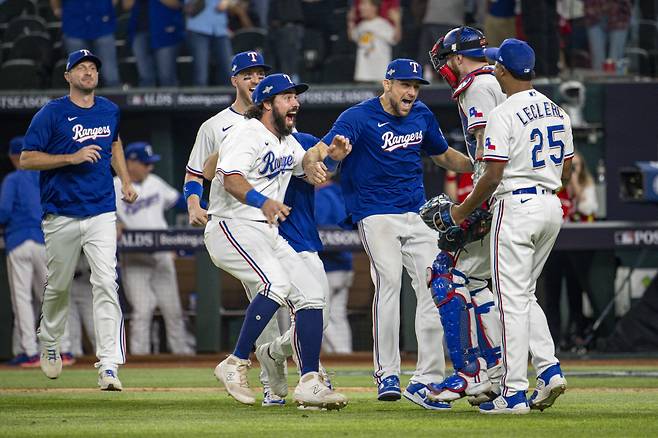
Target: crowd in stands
<point>172,43</point>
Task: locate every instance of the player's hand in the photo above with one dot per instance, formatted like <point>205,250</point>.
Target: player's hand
<point>198,217</point>
<point>275,211</point>
<point>128,193</point>
<point>339,148</point>
<point>87,154</point>
<point>316,173</point>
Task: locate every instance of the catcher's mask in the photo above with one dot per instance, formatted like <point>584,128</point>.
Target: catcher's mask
<point>463,40</point>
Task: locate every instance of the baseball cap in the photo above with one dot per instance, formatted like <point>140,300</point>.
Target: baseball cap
<point>516,55</point>
<point>78,56</point>
<point>245,60</point>
<point>141,151</point>
<point>275,84</point>
<point>16,145</point>
<point>405,69</point>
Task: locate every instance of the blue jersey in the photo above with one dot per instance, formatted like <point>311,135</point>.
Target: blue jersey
<point>20,208</point>
<point>383,174</point>
<point>300,229</point>
<point>330,211</point>
<point>61,127</point>
<point>88,19</point>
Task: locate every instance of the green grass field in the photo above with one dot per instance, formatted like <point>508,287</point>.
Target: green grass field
<point>189,402</point>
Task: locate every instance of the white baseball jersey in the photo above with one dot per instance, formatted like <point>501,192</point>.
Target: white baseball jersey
<point>210,136</point>
<point>533,135</point>
<point>266,162</point>
<point>155,197</point>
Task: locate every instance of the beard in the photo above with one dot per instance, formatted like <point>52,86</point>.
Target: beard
<point>280,123</point>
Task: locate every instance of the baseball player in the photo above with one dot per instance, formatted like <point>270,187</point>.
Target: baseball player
<point>149,279</point>
<point>474,350</point>
<point>382,182</point>
<point>255,165</point>
<point>528,151</point>
<point>73,141</point>
<point>247,69</point>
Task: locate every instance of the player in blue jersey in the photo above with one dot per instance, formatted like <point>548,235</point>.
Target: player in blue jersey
<point>382,181</point>
<point>73,141</point>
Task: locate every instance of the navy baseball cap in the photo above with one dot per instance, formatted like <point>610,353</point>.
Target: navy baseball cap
<point>275,84</point>
<point>405,69</point>
<point>16,145</point>
<point>141,151</point>
<point>515,55</point>
<point>244,60</point>
<point>78,56</point>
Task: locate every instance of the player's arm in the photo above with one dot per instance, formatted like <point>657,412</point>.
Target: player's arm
<point>210,166</point>
<point>119,165</point>
<point>240,189</point>
<point>453,160</point>
<point>566,172</point>
<point>37,160</point>
<point>320,158</point>
<point>193,190</point>
<point>485,187</point>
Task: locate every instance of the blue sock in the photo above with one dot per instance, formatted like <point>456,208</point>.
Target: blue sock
<point>308,324</point>
<point>260,311</point>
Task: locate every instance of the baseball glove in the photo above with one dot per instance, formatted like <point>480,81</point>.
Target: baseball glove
<point>452,237</point>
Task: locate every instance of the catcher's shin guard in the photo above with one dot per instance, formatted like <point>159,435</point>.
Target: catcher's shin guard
<point>454,312</point>
<point>488,326</point>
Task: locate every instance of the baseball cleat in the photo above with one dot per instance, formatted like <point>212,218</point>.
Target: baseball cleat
<point>31,362</point>
<point>270,399</point>
<point>417,393</point>
<point>324,376</point>
<point>514,404</point>
<point>108,381</point>
<point>232,372</point>
<point>311,393</point>
<point>51,363</point>
<point>389,389</point>
<point>277,374</point>
<point>461,384</point>
<point>68,359</point>
<point>550,385</point>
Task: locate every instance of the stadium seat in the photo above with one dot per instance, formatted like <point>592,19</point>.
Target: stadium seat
<point>23,25</point>
<point>313,48</point>
<point>249,39</point>
<point>338,69</point>
<point>57,77</point>
<point>55,30</point>
<point>123,49</point>
<point>35,46</point>
<point>10,9</point>
<point>20,74</point>
<point>128,71</point>
<point>45,11</point>
<point>639,61</point>
<point>185,71</point>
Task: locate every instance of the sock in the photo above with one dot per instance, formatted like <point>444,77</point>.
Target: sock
<point>260,311</point>
<point>308,323</point>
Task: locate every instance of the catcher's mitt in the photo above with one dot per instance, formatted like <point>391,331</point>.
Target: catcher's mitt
<point>452,237</point>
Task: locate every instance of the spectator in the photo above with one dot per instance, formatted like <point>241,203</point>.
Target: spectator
<point>207,32</point>
<point>374,38</point>
<point>607,25</point>
<point>583,191</point>
<point>238,15</point>
<point>262,10</point>
<point>500,21</point>
<point>149,279</point>
<point>329,211</point>
<point>574,33</point>
<point>90,24</point>
<point>388,9</point>
<point>81,313</point>
<point>439,18</point>
<point>540,25</point>
<point>156,29</point>
<point>286,31</point>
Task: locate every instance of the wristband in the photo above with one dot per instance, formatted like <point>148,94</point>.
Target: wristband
<point>192,188</point>
<point>330,163</point>
<point>255,198</point>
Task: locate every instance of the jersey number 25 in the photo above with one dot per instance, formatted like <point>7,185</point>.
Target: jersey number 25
<point>537,136</point>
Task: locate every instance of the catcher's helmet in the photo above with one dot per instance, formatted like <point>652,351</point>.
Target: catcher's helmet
<point>463,40</point>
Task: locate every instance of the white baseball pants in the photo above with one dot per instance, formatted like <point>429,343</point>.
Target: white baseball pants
<point>338,335</point>
<point>394,241</point>
<point>523,234</point>
<point>81,313</point>
<point>96,236</point>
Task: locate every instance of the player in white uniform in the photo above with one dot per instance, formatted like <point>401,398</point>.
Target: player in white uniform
<point>149,279</point>
<point>255,166</point>
<point>459,58</point>
<point>528,151</point>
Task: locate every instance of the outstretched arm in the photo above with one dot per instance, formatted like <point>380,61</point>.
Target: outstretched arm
<point>314,163</point>
<point>453,160</point>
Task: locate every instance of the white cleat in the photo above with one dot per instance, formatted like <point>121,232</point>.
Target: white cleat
<point>550,385</point>
<point>109,381</point>
<point>51,362</point>
<point>461,384</point>
<point>276,371</point>
<point>232,372</point>
<point>312,393</point>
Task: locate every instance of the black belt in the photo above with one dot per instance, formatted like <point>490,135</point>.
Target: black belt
<point>532,191</point>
